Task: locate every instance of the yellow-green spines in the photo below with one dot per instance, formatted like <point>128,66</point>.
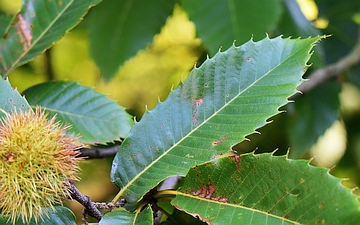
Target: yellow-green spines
<point>36,158</point>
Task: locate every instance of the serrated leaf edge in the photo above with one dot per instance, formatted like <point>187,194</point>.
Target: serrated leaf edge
<point>123,189</point>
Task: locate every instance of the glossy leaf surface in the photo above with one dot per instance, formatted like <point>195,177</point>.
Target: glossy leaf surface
<point>92,115</point>
<point>145,217</point>
<point>221,102</point>
<point>10,99</point>
<point>266,189</point>
<point>38,25</point>
<point>61,216</point>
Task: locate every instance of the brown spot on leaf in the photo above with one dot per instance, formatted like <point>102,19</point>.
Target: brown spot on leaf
<point>194,118</point>
<point>198,102</point>
<point>208,192</point>
<point>236,158</point>
<point>216,156</point>
<point>24,32</point>
<point>223,138</point>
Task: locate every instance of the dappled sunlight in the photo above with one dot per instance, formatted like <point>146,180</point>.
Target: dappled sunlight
<point>310,10</point>
<point>140,81</point>
<point>330,147</point>
<point>10,7</point>
<point>321,23</point>
<point>153,71</point>
<point>73,61</point>
<point>350,99</point>
<point>356,18</point>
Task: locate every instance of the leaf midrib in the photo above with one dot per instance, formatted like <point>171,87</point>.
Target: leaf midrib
<point>235,206</point>
<point>200,125</point>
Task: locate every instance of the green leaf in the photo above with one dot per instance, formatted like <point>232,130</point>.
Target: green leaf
<point>293,23</point>
<point>342,26</point>
<point>311,115</point>
<point>221,102</point>
<point>5,21</point>
<point>38,25</point>
<point>10,99</point>
<point>145,217</point>
<point>179,218</point>
<point>92,115</point>
<point>61,216</point>
<point>219,23</point>
<point>266,189</point>
<point>125,27</point>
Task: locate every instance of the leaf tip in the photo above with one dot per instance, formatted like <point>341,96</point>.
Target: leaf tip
<point>273,152</point>
<point>287,153</point>
<point>234,43</point>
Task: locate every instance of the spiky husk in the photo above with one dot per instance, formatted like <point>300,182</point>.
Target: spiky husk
<point>36,159</point>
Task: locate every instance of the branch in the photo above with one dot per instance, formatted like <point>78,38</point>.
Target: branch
<point>98,153</point>
<point>331,71</point>
<point>49,70</point>
<point>90,208</point>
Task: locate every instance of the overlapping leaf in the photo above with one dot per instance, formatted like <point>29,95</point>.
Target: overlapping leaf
<point>96,118</point>
<point>311,116</point>
<point>265,189</point>
<point>222,101</point>
<point>60,216</point>
<point>145,217</point>
<point>38,25</point>
<point>10,99</point>
<point>294,23</point>
<point>219,23</point>
<point>119,29</point>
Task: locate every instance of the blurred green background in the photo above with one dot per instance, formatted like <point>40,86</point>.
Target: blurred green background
<point>331,112</point>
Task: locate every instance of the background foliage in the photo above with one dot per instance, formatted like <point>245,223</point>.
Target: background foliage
<point>135,52</point>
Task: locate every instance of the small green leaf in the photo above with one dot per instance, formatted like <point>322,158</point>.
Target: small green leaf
<point>10,99</point>
<point>38,25</point>
<point>92,115</point>
<point>266,189</point>
<point>125,27</point>
<point>122,217</point>
<point>61,216</point>
<point>219,23</point>
<point>217,106</point>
